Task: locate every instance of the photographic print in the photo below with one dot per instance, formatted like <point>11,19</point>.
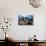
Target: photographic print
<point>25,20</point>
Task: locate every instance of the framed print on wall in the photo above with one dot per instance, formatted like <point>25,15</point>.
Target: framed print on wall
<point>25,20</point>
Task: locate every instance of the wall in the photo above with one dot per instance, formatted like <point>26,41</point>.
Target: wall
<point>24,32</point>
<point>45,28</point>
<point>12,8</point>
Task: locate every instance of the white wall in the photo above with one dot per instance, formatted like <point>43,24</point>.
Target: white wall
<point>12,8</point>
<point>45,28</point>
<point>24,32</point>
